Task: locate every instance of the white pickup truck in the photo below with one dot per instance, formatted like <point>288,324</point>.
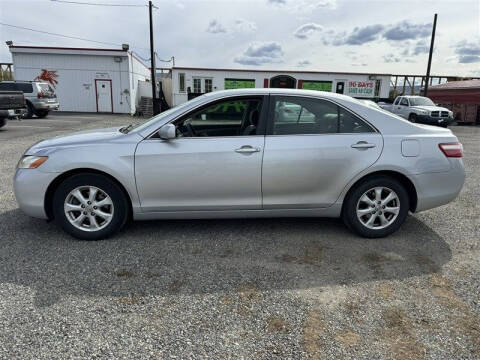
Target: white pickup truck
<point>420,109</point>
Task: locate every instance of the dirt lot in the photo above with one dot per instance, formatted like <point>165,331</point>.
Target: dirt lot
<point>259,289</point>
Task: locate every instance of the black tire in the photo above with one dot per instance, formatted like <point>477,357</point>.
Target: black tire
<point>3,122</point>
<point>119,199</point>
<point>412,118</point>
<point>41,113</point>
<point>30,111</point>
<point>349,213</point>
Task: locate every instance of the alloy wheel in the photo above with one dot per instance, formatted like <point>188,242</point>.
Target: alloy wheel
<point>88,208</point>
<point>378,208</point>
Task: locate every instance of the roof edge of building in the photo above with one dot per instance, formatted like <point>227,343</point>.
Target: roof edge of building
<point>279,71</point>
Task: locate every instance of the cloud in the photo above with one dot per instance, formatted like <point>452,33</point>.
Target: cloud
<point>468,52</point>
<point>303,6</point>
<point>215,27</point>
<point>306,30</point>
<point>303,63</point>
<point>391,58</point>
<point>417,48</point>
<point>259,53</point>
<point>242,25</point>
<point>358,36</point>
<point>406,30</point>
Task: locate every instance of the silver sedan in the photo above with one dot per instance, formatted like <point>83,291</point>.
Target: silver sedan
<point>234,153</point>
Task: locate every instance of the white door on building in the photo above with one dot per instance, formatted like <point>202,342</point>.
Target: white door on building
<point>104,95</point>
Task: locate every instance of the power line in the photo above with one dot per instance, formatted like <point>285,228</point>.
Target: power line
<point>61,35</point>
<point>97,4</point>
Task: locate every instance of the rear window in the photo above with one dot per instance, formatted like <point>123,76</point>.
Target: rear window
<point>45,88</point>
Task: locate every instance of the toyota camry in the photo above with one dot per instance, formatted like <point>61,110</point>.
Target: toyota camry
<point>244,153</point>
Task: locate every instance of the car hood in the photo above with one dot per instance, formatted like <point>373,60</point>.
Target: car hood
<point>430,108</point>
<point>77,138</point>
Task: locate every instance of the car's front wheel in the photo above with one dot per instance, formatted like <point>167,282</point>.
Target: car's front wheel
<point>376,207</point>
<point>90,206</point>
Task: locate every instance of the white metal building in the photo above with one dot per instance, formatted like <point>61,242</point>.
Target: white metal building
<point>85,79</point>
<point>185,82</point>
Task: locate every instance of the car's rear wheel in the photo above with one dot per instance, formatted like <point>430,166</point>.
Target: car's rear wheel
<point>41,113</point>
<point>376,207</point>
<point>3,121</point>
<point>90,206</point>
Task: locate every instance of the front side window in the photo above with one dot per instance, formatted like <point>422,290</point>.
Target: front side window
<point>404,102</point>
<point>422,101</point>
<point>236,117</point>
<point>302,116</point>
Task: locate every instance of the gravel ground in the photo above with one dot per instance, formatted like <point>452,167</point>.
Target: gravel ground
<point>256,289</point>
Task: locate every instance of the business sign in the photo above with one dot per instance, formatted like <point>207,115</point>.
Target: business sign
<point>361,88</point>
<point>317,85</point>
<point>239,84</point>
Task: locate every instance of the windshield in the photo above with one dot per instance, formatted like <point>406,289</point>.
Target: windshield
<point>421,101</point>
<point>141,126</point>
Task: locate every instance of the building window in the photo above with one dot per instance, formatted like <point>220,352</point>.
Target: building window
<point>197,86</point>
<point>239,84</point>
<point>208,85</point>
<point>181,81</point>
<point>378,84</point>
<point>317,85</point>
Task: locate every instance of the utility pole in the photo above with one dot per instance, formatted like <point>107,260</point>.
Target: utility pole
<point>156,107</point>
<point>427,78</point>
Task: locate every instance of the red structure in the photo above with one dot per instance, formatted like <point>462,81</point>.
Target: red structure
<point>462,97</point>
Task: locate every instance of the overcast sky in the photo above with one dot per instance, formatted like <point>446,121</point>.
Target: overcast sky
<point>389,36</point>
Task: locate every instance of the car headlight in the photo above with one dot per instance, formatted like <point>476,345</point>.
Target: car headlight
<point>31,162</point>
<point>424,112</point>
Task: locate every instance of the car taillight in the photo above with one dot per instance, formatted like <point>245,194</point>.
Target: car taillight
<point>454,149</point>
<point>40,95</point>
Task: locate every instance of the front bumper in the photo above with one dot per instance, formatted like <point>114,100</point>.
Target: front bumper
<point>30,186</point>
<point>429,120</point>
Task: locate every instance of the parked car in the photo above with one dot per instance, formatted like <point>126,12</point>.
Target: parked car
<point>40,96</point>
<point>420,109</point>
<point>202,159</point>
<point>12,104</point>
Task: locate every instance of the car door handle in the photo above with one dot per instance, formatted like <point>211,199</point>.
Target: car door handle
<point>363,145</point>
<point>247,149</point>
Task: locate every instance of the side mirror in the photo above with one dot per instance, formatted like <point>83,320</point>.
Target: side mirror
<point>167,132</point>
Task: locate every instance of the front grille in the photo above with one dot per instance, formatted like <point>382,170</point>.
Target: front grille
<point>444,113</point>
<point>435,113</point>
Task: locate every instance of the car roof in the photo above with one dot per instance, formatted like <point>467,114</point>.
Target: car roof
<point>276,91</point>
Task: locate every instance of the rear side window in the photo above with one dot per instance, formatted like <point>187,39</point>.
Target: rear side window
<point>25,87</point>
<point>302,116</point>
